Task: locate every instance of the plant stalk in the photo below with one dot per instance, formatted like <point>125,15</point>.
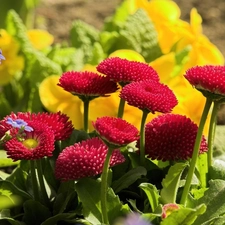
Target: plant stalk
<point>142,137</point>
<point>195,152</point>
<point>86,111</point>
<point>34,181</point>
<point>104,187</point>
<point>121,108</point>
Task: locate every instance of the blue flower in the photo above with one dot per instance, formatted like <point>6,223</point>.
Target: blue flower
<point>1,56</point>
<point>19,123</point>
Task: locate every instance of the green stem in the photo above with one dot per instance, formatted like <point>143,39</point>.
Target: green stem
<point>142,137</point>
<point>211,135</point>
<point>104,187</point>
<point>35,186</point>
<point>195,152</point>
<point>121,108</point>
<point>86,109</point>
<point>41,182</point>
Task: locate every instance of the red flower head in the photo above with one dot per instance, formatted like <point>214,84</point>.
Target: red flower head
<point>149,95</point>
<point>84,159</point>
<point>167,209</point>
<point>125,71</point>
<point>207,78</point>
<point>116,131</point>
<point>87,84</point>
<point>59,123</point>
<point>32,145</point>
<point>171,137</point>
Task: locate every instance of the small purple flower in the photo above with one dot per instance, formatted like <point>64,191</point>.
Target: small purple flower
<point>135,219</point>
<point>1,56</point>
<point>19,123</point>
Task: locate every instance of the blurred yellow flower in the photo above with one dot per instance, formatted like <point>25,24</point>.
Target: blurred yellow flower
<point>174,34</point>
<point>40,39</point>
<point>13,63</point>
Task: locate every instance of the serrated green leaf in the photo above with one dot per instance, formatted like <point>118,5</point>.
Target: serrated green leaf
<point>38,66</point>
<point>171,183</point>
<point>66,217</point>
<point>184,216</point>
<point>143,38</point>
<point>213,198</point>
<point>64,57</point>
<point>83,36</point>
<point>129,178</point>
<point>97,54</point>
<point>152,194</point>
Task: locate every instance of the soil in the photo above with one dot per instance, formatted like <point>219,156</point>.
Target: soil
<point>57,15</point>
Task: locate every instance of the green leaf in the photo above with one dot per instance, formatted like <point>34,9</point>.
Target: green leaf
<point>7,189</point>
<point>219,142</point>
<point>171,183</point>
<point>152,194</point>
<point>7,221</point>
<point>213,198</point>
<point>89,192</point>
<point>20,175</point>
<point>83,36</point>
<point>143,39</point>
<point>184,216</point>
<point>5,161</point>
<point>217,170</point>
<point>129,178</point>
<point>64,57</point>
<point>202,169</point>
<point>66,217</point>
<point>35,213</point>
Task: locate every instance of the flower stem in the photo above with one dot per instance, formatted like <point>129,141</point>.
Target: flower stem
<point>104,187</point>
<point>195,152</point>
<point>211,135</point>
<point>121,108</point>
<point>41,182</point>
<point>35,186</point>
<point>86,109</point>
<point>142,137</point>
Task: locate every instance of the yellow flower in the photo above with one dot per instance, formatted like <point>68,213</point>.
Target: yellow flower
<point>40,38</point>
<point>13,63</point>
<point>174,33</point>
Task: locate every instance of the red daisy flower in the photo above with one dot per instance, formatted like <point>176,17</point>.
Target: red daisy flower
<point>87,84</point>
<point>171,137</point>
<point>59,123</point>
<point>33,145</point>
<point>84,159</point>
<point>116,131</point>
<point>126,71</point>
<point>149,95</point>
<point>207,78</point>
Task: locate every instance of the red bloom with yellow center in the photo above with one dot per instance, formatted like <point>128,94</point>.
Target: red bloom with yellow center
<point>207,78</point>
<point>116,131</point>
<point>126,71</point>
<point>32,145</point>
<point>59,123</point>
<point>84,159</point>
<point>87,84</point>
<point>149,95</point>
<point>171,137</point>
